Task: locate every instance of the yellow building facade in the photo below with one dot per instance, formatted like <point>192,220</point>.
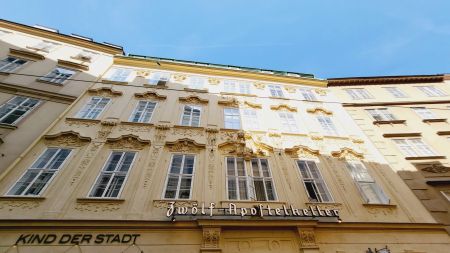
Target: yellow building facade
<point>173,156</point>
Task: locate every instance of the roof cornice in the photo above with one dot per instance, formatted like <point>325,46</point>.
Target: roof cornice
<point>379,80</point>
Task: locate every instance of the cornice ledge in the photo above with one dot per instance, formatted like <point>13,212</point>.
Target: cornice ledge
<point>283,106</point>
<point>184,145</point>
<point>193,99</point>
<point>22,198</point>
<point>26,54</point>
<point>99,200</point>
<point>105,91</point>
<point>73,65</point>
<point>394,135</point>
<point>150,95</point>
<point>128,138</point>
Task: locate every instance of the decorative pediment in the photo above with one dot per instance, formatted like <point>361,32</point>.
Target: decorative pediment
<point>213,81</point>
<point>105,91</point>
<point>179,77</point>
<point>26,54</point>
<point>347,153</point>
<point>290,89</point>
<point>239,149</point>
<point>302,151</point>
<point>150,95</point>
<point>319,110</point>
<point>67,138</point>
<point>193,99</point>
<point>232,102</point>
<point>252,105</point>
<point>283,107</point>
<point>185,145</point>
<point>259,85</point>
<point>128,141</point>
<point>321,92</point>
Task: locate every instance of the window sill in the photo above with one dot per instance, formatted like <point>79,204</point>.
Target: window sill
<point>230,129</point>
<point>388,122</point>
<point>38,198</point>
<point>253,202</point>
<point>83,120</point>
<point>73,65</point>
<point>26,54</point>
<point>237,94</point>
<point>47,82</point>
<point>146,85</point>
<point>100,200</point>
<point>380,205</point>
<point>434,120</point>
<point>8,126</point>
<point>4,73</point>
<point>337,137</point>
<point>196,90</point>
<point>188,127</point>
<point>425,157</point>
<point>292,133</point>
<point>278,98</point>
<point>443,133</point>
<point>136,123</point>
<point>324,203</point>
<point>393,135</point>
<point>114,82</point>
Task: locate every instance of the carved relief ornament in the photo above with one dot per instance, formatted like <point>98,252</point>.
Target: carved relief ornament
<point>211,238</point>
<point>193,99</point>
<point>290,89</point>
<point>319,110</point>
<point>283,107</point>
<point>213,81</point>
<point>436,168</point>
<point>348,154</point>
<point>179,77</point>
<point>259,85</point>
<point>239,149</point>
<point>302,151</point>
<point>128,141</point>
<point>142,73</point>
<point>185,145</point>
<point>231,102</point>
<point>67,138</point>
<point>321,92</point>
<point>150,95</point>
<point>105,92</point>
<point>252,105</point>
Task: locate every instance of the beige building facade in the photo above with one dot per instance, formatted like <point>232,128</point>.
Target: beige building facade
<point>38,72</point>
<point>169,156</point>
<point>406,117</point>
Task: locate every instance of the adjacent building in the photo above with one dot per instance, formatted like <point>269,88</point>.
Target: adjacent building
<point>163,155</point>
<point>42,72</point>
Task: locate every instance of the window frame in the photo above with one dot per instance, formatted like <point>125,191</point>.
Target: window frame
<point>396,92</point>
<point>23,115</point>
<point>49,79</point>
<point>236,178</point>
<point>432,91</point>
<point>374,182</point>
<point>161,75</point>
<point>297,126</point>
<point>130,119</point>
<point>77,115</point>
<point>330,128</point>
<point>172,154</point>
<point>423,112</point>
<point>308,94</point>
<point>275,87</point>
<point>263,178</point>
<point>412,146</point>
<point>381,113</point>
<point>358,93</point>
<point>112,72</point>
<point>13,63</point>
<point>224,117</point>
<point>317,163</point>
<point>191,115</point>
<point>253,121</point>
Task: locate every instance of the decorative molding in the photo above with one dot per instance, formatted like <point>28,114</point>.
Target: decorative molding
<point>105,91</point>
<point>179,77</point>
<point>425,157</point>
<point>357,140</point>
<point>386,122</point>
<point>150,95</point>
<point>352,81</point>
<point>302,151</point>
<point>252,105</point>
<point>142,73</point>
<point>213,81</point>
<point>228,101</point>
<point>380,210</point>
<point>394,135</point>
<point>97,207</point>
<point>161,203</point>
<point>290,89</point>
<point>134,127</point>
<point>283,107</point>
<point>26,54</point>
<point>73,65</point>
<point>109,122</point>
<point>185,145</point>
<point>211,238</point>
<point>67,138</point>
<point>193,99</point>
<point>319,110</point>
<point>81,121</point>
<point>13,205</point>
<point>435,167</point>
<point>307,238</point>
<point>90,153</point>
<point>321,92</point>
<point>259,85</point>
<point>347,153</point>
<point>239,149</point>
<point>128,141</point>
<point>154,156</point>
<point>187,131</point>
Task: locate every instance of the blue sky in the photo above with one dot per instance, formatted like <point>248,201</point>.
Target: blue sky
<point>328,38</point>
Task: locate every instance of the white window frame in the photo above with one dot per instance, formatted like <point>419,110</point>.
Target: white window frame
<point>17,106</point>
<point>313,180</point>
<point>78,115</point>
<point>249,119</point>
<point>233,115</point>
<point>275,90</point>
<point>61,166</point>
<point>13,63</point>
<point>382,113</point>
<point>358,93</point>
<point>180,176</point>
<point>287,126</point>
<point>191,115</point>
<point>263,178</point>
<point>237,86</point>
<point>58,75</point>
<point>197,82</point>
<point>308,94</point>
<point>424,113</point>
<point>140,120</point>
<point>327,124</point>
<point>236,177</point>
<point>396,92</point>
<point>120,77</point>
<point>158,76</point>
<point>432,91</point>
<point>410,147</point>
<point>380,193</point>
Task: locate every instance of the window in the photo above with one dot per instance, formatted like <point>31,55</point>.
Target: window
<point>359,93</point>
<point>250,119</point>
<point>191,116</point>
<point>85,55</point>
<point>432,91</point>
<point>327,125</point>
<point>120,74</point>
<point>93,109</point>
<point>381,114</point>
<point>446,194</point>
<point>234,86</point>
<point>34,181</point>
<point>371,192</point>
<point>288,123</point>
<point>424,113</point>
<point>16,108</point>
<point>312,180</point>
<point>308,94</point>
<point>180,177</point>
<point>111,179</point>
<point>237,184</point>
<point>197,82</point>
<point>396,92</point>
<point>58,75</point>
<point>414,147</point>
<point>143,112</point>
<point>159,78</point>
<point>232,118</point>
<point>44,46</point>
<point>262,180</point>
<point>10,64</point>
<point>275,91</point>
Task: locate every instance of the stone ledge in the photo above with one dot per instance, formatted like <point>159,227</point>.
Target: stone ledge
<point>100,200</point>
<point>8,126</point>
<point>24,198</point>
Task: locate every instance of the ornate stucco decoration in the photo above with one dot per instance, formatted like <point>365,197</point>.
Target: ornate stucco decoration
<point>142,73</point>
<point>128,141</point>
<point>283,107</point>
<point>150,95</point>
<point>231,102</point>
<point>252,105</point>
<point>185,145</point>
<point>290,89</point>
<point>239,149</point>
<point>319,110</point>
<point>357,140</point>
<point>211,238</point>
<point>435,168</point>
<point>348,154</point>
<point>213,81</point>
<point>67,138</point>
<point>193,99</point>
<point>259,85</point>
<point>307,238</point>
<point>302,151</point>
<point>105,91</point>
<point>321,92</point>
<point>179,77</point>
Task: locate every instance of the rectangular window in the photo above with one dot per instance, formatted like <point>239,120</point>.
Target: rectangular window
<point>288,122</point>
<point>414,147</point>
<point>94,108</point>
<point>120,74</point>
<point>16,108</point>
<point>275,90</point>
<point>58,75</point>
<point>432,91</point>
<point>232,118</point>
<point>44,46</point>
<point>372,193</point>
<point>381,114</point>
<point>197,82</point>
<point>396,92</point>
<point>159,78</point>
<point>111,179</point>
<point>237,184</point>
<point>10,64</point>
<point>262,180</point>
<point>180,177</point>
<point>143,112</point>
<point>424,113</point>
<point>234,86</point>
<point>250,119</point>
<point>308,94</point>
<point>359,93</point>
<point>191,116</point>
<point>34,181</point>
<point>313,181</point>
<point>327,125</point>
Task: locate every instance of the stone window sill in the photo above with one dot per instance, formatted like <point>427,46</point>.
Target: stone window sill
<point>443,133</point>
<point>8,126</point>
<point>114,82</point>
<point>425,157</point>
<point>278,98</point>
<point>136,123</point>
<point>188,127</point>
<point>434,120</point>
<point>47,82</point>
<point>388,122</point>
<point>100,200</point>
<point>237,94</point>
<point>196,90</point>
<point>380,205</point>
<point>84,120</point>
<point>4,73</point>
<point>31,198</point>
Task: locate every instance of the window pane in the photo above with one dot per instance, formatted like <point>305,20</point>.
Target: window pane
<point>259,190</point>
